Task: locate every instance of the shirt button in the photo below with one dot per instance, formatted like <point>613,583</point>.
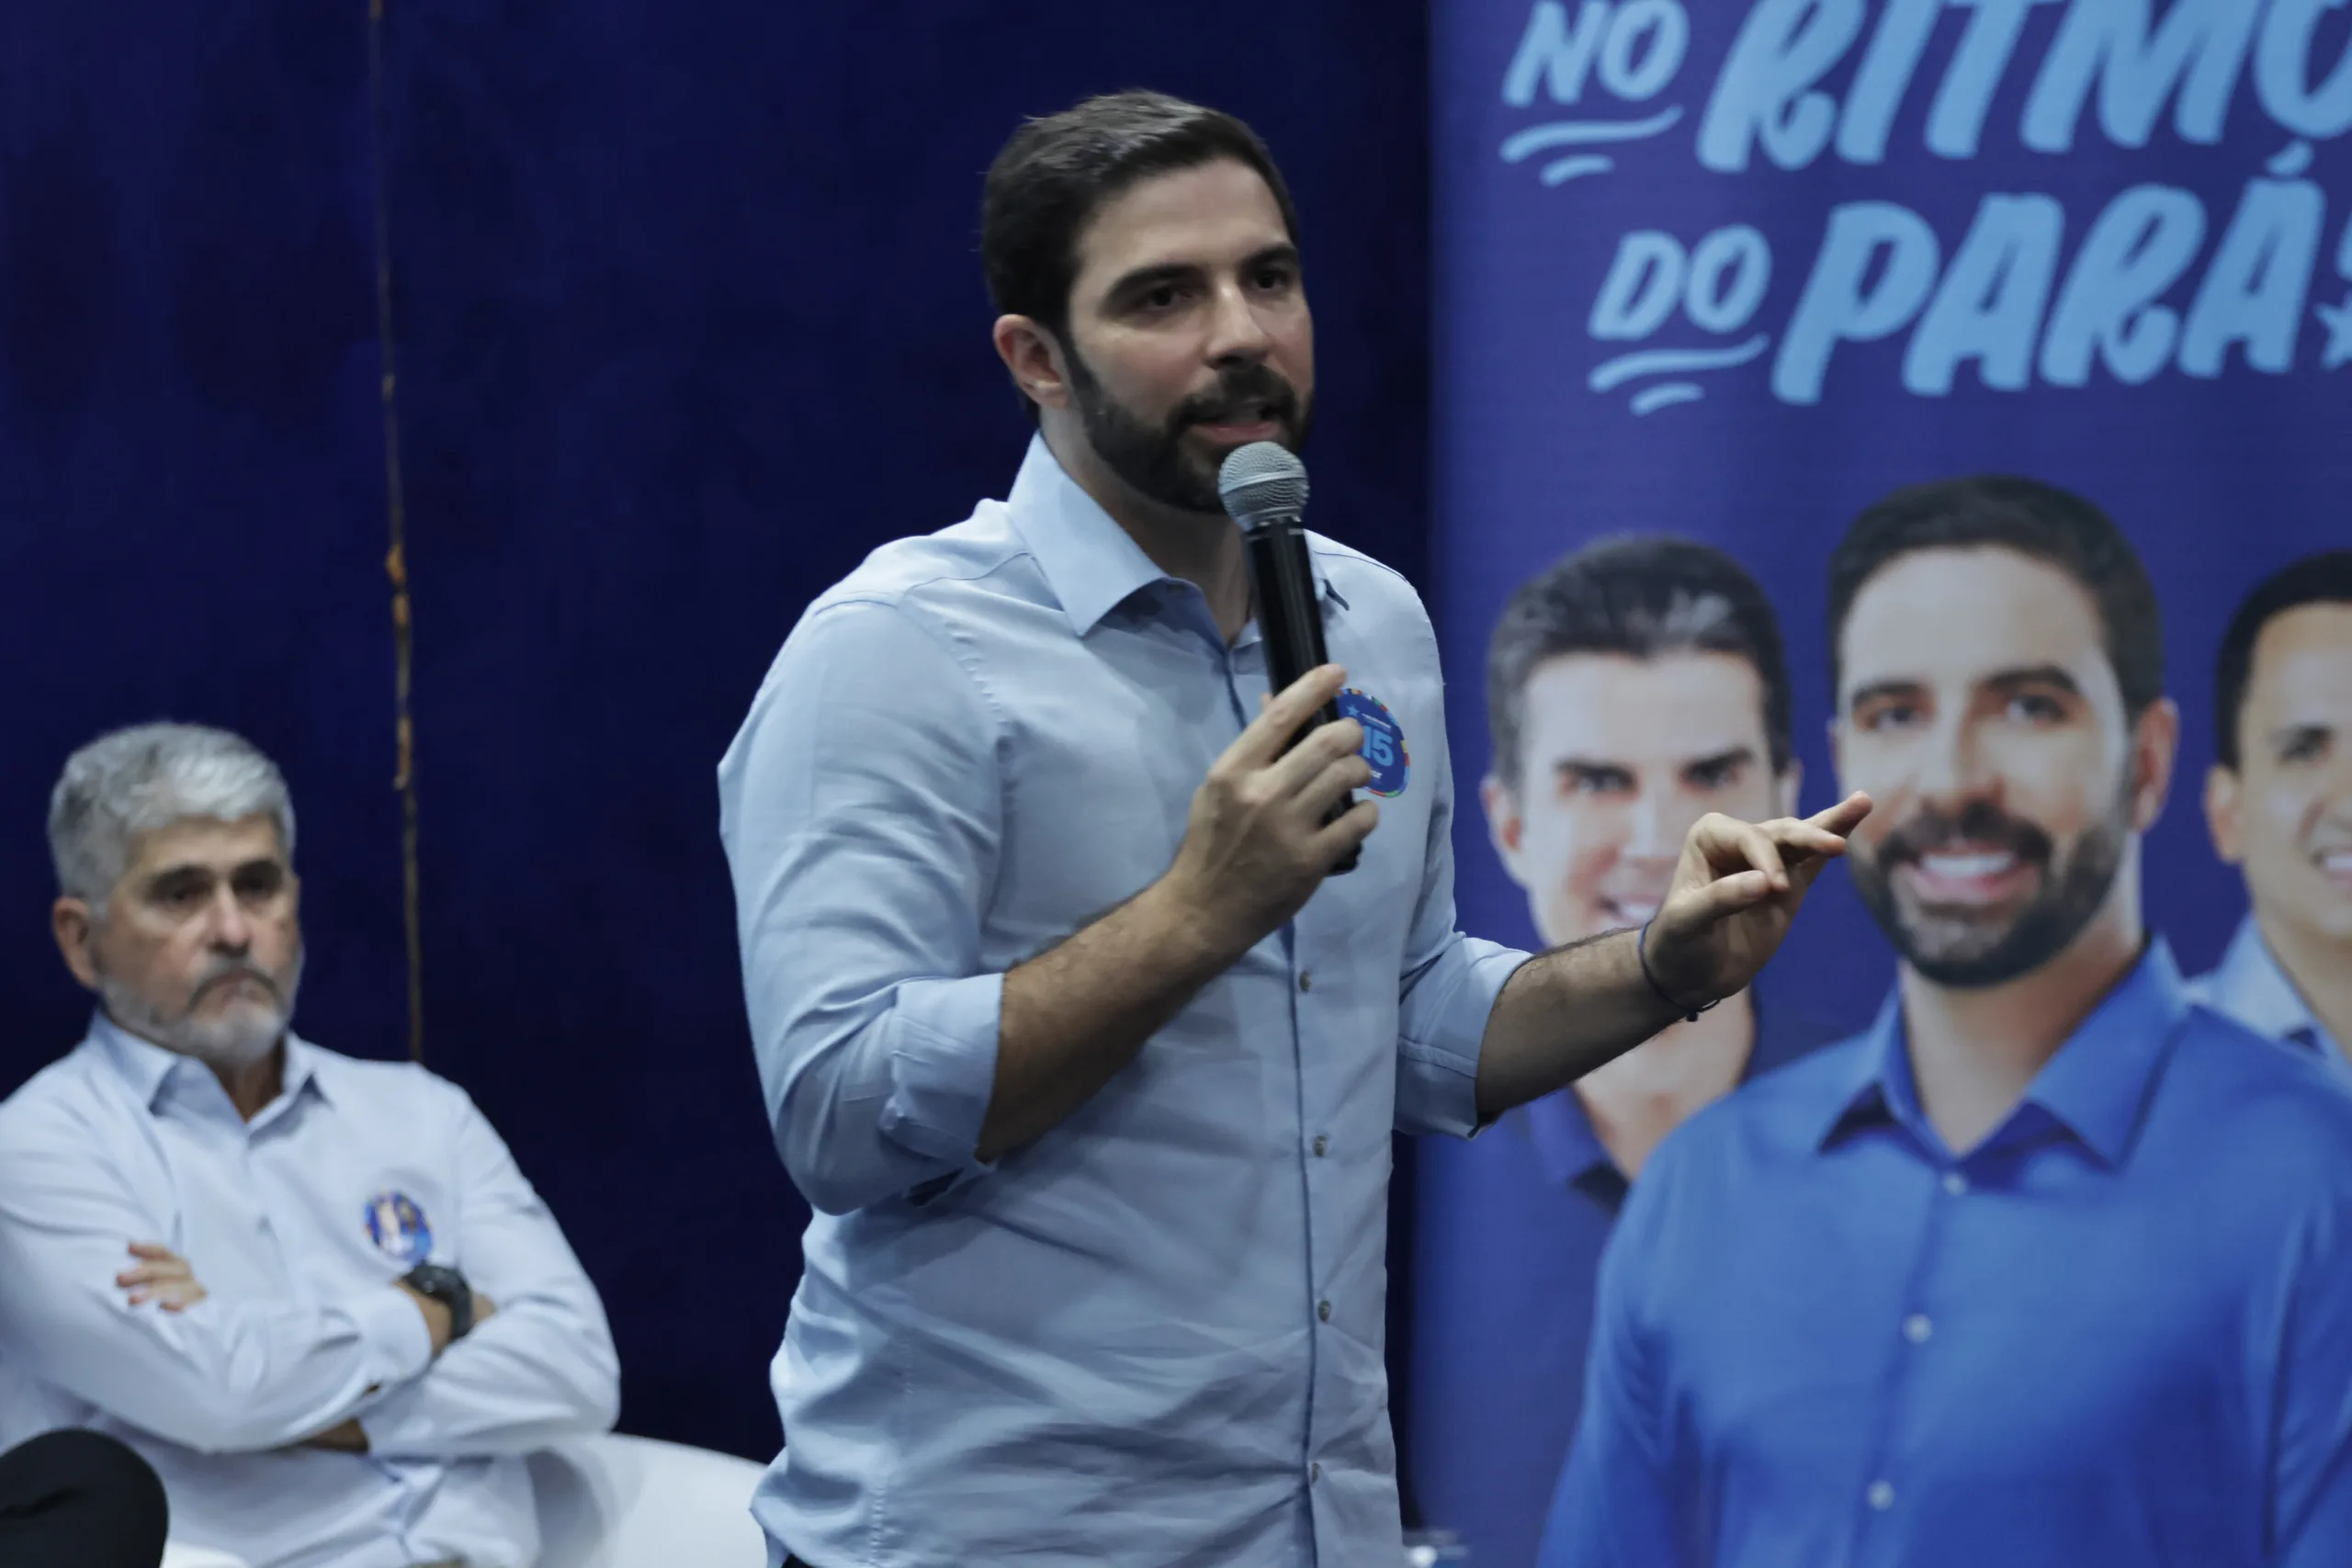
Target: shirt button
<point>1955,1183</point>
<point>1314,1471</point>
<point>1916,1328</point>
<point>1305,981</point>
<point>1323,1311</point>
<point>1882,1496</point>
<point>1322,1145</point>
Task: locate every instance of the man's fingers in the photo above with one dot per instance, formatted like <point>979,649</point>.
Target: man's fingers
<point>1333,783</point>
<point>1333,842</point>
<point>1806,846</point>
<point>1729,844</point>
<point>1306,767</point>
<point>171,1295</point>
<point>1285,715</point>
<point>1728,895</point>
<point>1803,841</point>
<point>161,1276</point>
<point>1845,817</point>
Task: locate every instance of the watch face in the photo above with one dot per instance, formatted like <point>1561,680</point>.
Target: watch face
<point>439,1282</point>
<point>449,1288</point>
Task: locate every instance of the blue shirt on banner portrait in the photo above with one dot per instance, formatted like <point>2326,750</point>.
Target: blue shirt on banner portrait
<point>2250,985</point>
<point>2116,1332</point>
<point>1505,1258</point>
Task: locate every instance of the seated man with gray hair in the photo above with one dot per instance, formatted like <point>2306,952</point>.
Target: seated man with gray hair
<point>314,1292</point>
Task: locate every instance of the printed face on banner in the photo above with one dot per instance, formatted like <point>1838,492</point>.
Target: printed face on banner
<point>1979,708</point>
<point>2286,814</point>
<point>2126,281</point>
<point>1619,757</point>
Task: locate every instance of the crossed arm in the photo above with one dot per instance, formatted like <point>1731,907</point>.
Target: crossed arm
<point>147,1345</point>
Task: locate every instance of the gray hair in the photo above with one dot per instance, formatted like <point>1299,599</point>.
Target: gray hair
<point>148,777</point>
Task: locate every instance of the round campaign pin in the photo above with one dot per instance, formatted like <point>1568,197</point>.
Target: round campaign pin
<point>398,1227</point>
<point>1384,740</point>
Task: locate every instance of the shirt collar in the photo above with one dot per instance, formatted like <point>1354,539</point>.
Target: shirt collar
<point>1565,1143</point>
<point>1091,564</point>
<point>2095,1086</point>
<point>149,1069</point>
<point>1569,1146</point>
<point>2251,986</point>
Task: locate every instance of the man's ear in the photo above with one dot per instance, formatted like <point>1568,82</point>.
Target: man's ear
<point>1503,823</point>
<point>2221,819</point>
<point>75,926</point>
<point>1034,359</point>
<point>2156,746</point>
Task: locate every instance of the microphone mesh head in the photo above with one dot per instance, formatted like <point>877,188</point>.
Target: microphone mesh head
<point>1260,482</point>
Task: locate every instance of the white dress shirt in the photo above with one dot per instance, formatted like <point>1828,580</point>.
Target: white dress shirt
<point>296,1224</point>
<point>2251,986</point>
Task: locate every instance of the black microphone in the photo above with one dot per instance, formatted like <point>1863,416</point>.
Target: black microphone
<point>1263,486</point>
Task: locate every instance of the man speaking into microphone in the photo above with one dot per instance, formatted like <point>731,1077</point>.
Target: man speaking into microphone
<point>1084,1058</point>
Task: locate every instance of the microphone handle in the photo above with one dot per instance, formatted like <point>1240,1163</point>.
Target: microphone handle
<point>1290,623</point>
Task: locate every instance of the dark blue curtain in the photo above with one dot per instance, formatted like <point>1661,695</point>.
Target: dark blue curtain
<point>688,318</point>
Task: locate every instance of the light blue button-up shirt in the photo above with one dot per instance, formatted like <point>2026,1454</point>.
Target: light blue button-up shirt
<point>2249,985</point>
<point>295,1223</point>
<point>1153,1337</point>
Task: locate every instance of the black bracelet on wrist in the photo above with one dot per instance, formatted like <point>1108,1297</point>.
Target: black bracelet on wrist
<point>1642,951</point>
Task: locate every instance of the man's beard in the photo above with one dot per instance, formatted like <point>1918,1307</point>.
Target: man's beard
<point>1971,949</point>
<point>1153,461</point>
<point>234,1039</point>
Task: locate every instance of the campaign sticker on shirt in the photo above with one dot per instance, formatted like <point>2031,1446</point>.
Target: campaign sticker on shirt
<point>1384,740</point>
<point>399,1228</point>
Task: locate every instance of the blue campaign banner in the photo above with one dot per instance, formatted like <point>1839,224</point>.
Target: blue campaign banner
<point>1731,271</point>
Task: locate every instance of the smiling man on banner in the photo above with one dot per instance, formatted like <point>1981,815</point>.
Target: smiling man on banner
<point>2279,801</point>
<point>1632,688</point>
<point>2049,1268</point>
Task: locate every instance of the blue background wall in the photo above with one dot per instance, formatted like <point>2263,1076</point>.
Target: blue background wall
<point>689,317</point>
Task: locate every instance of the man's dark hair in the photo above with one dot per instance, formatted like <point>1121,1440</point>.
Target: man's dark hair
<point>1057,172</point>
<point>2322,579</point>
<point>2033,519</point>
<point>1640,597</point>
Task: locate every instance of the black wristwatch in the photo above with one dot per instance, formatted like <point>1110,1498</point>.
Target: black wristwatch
<point>448,1287</point>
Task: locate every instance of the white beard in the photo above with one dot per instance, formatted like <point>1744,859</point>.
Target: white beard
<point>237,1038</point>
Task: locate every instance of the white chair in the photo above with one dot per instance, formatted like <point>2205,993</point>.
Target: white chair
<point>616,1502</point>
<point>178,1556</point>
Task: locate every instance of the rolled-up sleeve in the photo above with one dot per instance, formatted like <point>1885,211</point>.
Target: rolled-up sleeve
<point>1448,988</point>
<point>860,811</point>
